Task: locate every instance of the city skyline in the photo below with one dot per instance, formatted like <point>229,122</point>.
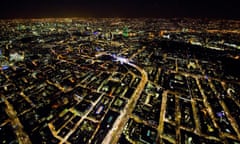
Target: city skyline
<point>119,81</point>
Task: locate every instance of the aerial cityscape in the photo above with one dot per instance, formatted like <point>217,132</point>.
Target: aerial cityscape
<point>119,81</point>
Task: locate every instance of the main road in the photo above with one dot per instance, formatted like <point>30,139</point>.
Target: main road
<point>114,134</point>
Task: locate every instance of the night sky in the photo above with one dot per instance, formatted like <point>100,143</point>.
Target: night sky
<point>120,8</point>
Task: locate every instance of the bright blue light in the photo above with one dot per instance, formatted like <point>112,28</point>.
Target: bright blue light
<point>5,67</point>
<point>95,33</point>
<point>97,49</point>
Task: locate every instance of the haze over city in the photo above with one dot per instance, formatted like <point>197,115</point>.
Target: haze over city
<point>119,72</point>
<point>106,8</point>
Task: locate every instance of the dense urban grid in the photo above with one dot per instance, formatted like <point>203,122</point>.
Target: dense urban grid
<point>119,81</point>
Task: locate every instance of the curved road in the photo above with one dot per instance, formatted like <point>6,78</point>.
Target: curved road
<point>116,131</point>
